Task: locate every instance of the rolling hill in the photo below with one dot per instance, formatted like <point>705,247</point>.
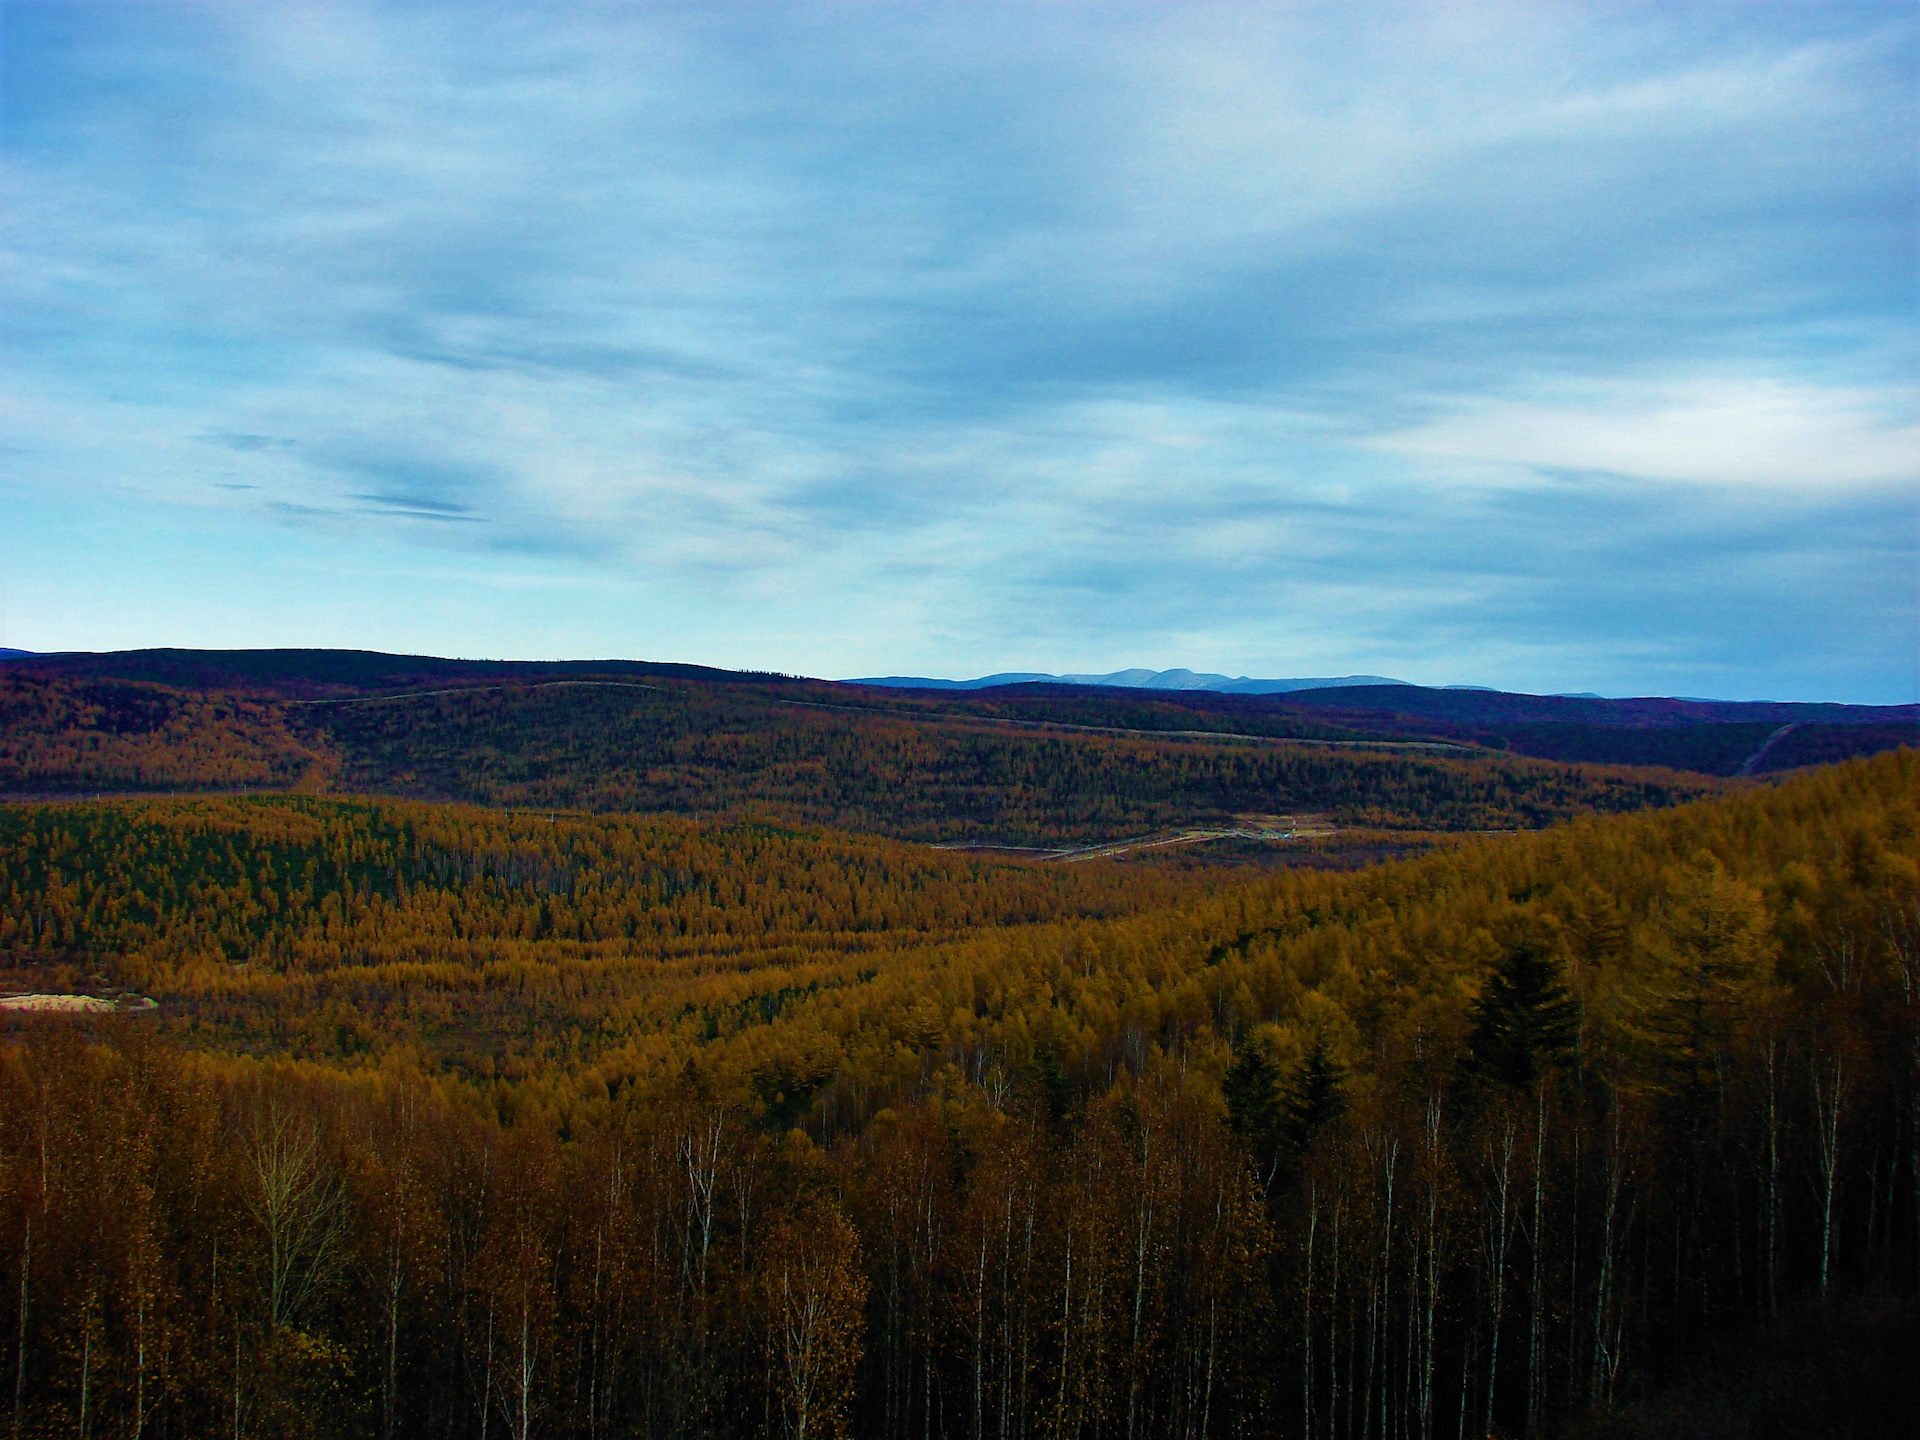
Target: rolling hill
<point>1032,766</point>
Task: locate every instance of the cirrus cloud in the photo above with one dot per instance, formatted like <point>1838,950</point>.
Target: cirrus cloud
<point>1414,339</point>
<point>1719,431</point>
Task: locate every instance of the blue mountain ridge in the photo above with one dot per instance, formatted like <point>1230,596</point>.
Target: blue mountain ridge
<point>1134,680</point>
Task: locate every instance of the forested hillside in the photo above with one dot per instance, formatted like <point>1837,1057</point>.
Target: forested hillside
<point>329,929</point>
<point>66,735</point>
<point>1499,1140</point>
<point>706,750</point>
<point>1707,737</point>
<point>1021,764</point>
<point>782,750</point>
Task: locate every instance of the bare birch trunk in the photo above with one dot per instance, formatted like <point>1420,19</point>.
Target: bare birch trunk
<point>1142,1234</point>
<point>1306,1314</point>
<point>1066,1339</point>
<point>1608,1316</point>
<point>1829,1095</point>
<point>979,1336</point>
<point>1386,1286</point>
<point>1503,1179</point>
<point>86,1370</point>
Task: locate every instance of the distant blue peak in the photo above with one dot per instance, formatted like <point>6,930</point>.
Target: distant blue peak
<point>1134,680</point>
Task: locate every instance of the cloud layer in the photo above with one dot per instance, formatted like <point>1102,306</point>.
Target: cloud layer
<point>1531,347</point>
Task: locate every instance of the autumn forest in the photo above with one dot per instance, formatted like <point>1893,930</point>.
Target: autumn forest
<point>656,1054</point>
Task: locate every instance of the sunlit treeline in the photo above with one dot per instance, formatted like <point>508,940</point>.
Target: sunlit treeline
<point>294,884</point>
<point>1469,1145</point>
<point>322,927</point>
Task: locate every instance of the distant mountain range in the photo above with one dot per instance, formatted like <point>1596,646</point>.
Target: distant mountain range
<point>1134,680</point>
<point>1708,737</point>
<point>1165,680</point>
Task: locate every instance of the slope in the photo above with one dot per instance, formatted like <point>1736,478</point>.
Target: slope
<point>1233,1161</point>
<point>973,771</point>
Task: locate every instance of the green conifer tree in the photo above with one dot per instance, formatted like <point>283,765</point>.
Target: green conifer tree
<point>1315,1095</point>
<point>1524,1022</point>
<point>1252,1091</point>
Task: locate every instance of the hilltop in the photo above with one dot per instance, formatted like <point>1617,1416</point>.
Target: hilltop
<point>1029,762</point>
<point>1026,766</point>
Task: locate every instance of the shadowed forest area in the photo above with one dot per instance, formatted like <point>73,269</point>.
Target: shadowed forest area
<point>448,1121</point>
<point>798,753</point>
<point>1014,764</point>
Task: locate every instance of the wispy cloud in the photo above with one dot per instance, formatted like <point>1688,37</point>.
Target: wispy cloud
<point>1530,345</point>
<point>1753,434</point>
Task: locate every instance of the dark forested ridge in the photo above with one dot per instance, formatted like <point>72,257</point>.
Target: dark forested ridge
<point>278,690</point>
<point>703,750</point>
<point>796,751</point>
<point>319,674</point>
<point>1608,1129</point>
<point>1705,736</point>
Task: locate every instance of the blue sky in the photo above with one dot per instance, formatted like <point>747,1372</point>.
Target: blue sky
<point>1542,346</point>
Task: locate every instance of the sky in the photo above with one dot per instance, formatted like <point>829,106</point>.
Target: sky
<point>1548,347</point>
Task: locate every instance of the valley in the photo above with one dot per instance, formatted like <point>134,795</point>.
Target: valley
<point>1090,1081</point>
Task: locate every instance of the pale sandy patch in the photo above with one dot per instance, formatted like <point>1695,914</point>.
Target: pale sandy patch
<point>54,1002</point>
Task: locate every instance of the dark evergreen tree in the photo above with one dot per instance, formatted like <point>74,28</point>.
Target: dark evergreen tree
<point>1315,1095</point>
<point>1057,1096</point>
<point>1524,1022</point>
<point>1279,1116</point>
<point>1252,1091</point>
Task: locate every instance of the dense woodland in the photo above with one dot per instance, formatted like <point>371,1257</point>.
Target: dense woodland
<point>1706,737</point>
<point>843,1136</point>
<point>67,735</point>
<point>700,750</point>
<point>688,735</point>
<point>694,748</point>
<point>325,928</point>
